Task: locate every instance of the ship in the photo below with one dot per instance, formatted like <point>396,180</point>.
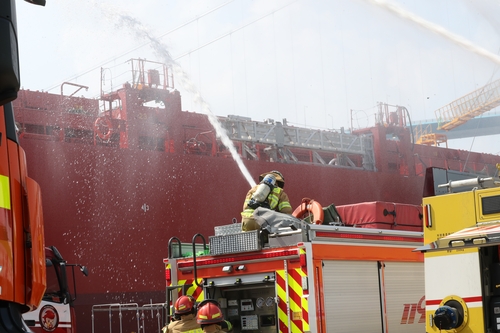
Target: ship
<point>123,173</point>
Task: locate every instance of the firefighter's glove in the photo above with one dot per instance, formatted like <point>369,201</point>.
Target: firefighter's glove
<point>226,326</point>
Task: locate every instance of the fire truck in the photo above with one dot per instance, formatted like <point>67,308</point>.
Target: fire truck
<point>334,274</point>
<point>22,260</point>
<point>56,313</point>
<point>462,253</point>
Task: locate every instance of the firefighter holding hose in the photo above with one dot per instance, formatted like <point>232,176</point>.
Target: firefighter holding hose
<point>267,194</point>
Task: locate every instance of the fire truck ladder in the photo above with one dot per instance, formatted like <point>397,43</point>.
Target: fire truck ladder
<point>469,106</point>
<point>282,140</point>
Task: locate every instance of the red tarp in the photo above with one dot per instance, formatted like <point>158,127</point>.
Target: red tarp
<point>382,215</point>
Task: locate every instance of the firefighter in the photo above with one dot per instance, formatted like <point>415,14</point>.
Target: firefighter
<point>268,194</point>
<point>185,312</point>
<point>210,317</point>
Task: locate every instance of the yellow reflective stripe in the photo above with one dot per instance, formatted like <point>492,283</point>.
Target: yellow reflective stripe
<point>273,197</point>
<point>4,192</point>
<point>282,315</point>
<point>247,212</point>
<point>284,204</point>
<point>296,286</point>
<point>193,289</point>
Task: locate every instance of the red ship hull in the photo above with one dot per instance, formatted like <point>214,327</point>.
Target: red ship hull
<point>115,210</point>
<point>112,200</point>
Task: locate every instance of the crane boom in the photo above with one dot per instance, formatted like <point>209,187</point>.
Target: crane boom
<point>469,106</point>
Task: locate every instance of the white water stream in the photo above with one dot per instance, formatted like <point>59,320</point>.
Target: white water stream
<point>458,40</point>
<point>181,77</point>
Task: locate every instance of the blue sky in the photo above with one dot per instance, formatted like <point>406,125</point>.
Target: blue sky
<point>309,61</point>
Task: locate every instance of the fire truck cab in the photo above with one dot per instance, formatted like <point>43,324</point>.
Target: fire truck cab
<point>22,268</point>
<point>462,254</point>
<point>56,309</point>
<point>305,278</point>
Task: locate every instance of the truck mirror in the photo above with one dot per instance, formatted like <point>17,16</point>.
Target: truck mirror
<point>84,270</point>
<point>36,2</point>
<point>9,57</point>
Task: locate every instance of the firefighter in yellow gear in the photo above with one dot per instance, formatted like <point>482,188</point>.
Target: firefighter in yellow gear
<point>185,310</point>
<point>276,200</point>
<point>210,317</point>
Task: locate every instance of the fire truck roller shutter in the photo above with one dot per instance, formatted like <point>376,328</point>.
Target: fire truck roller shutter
<point>351,296</point>
<point>404,295</point>
<point>369,289</point>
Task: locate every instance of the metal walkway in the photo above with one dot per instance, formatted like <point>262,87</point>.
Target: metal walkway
<point>468,107</point>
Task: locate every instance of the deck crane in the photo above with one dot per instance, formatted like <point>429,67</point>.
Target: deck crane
<point>462,110</point>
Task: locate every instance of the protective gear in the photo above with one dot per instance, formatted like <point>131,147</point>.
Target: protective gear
<point>187,323</point>
<point>267,184</point>
<point>209,313</point>
<point>280,180</point>
<point>184,305</point>
<point>276,200</point>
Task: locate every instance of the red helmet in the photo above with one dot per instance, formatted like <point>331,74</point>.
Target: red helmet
<point>209,313</point>
<point>184,305</point>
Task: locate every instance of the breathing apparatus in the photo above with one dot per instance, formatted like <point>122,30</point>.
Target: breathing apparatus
<point>267,184</point>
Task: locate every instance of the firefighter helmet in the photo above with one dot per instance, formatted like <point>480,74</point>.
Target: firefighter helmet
<point>184,305</point>
<point>280,180</point>
<point>209,313</point>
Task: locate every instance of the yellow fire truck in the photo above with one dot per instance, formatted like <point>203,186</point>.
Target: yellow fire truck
<point>321,277</point>
<point>461,255</point>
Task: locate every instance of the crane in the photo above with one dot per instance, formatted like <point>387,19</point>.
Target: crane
<point>462,110</point>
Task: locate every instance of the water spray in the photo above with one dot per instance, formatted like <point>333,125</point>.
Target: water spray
<point>183,79</point>
<point>459,40</point>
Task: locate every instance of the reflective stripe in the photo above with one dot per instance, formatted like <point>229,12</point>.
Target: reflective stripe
<point>273,197</point>
<point>293,296</point>
<point>247,212</point>
<point>284,204</point>
<point>4,192</point>
<point>194,290</point>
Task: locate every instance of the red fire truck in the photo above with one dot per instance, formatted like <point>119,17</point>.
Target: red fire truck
<point>56,313</point>
<point>359,274</point>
